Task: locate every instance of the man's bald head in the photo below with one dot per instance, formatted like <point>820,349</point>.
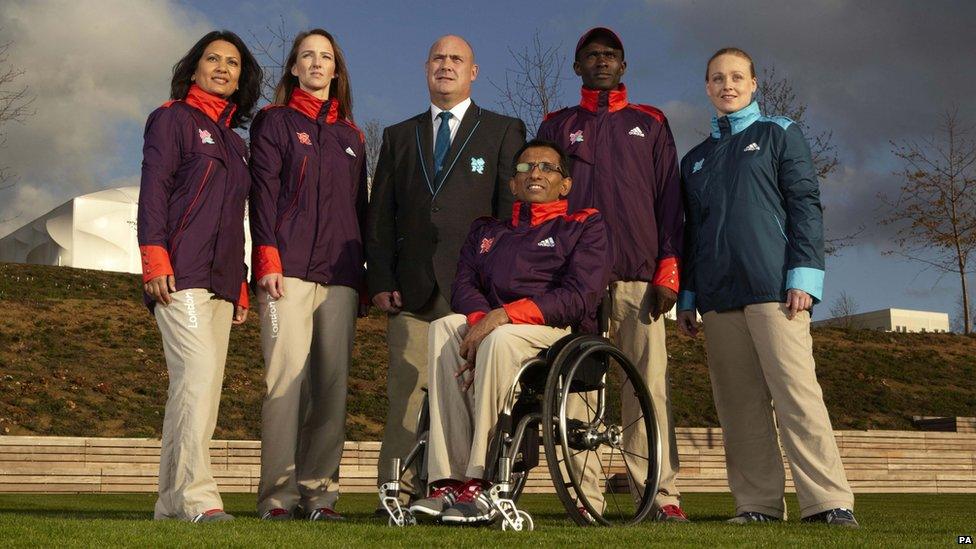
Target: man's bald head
<point>450,71</point>
<point>452,39</point>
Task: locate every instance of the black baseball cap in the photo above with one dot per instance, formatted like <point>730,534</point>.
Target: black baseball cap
<point>599,32</point>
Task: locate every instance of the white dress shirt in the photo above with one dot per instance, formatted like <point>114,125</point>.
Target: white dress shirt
<point>455,122</point>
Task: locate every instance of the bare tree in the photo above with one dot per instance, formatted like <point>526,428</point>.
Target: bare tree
<point>959,316</point>
<point>373,134</point>
<point>533,86</point>
<point>842,309</point>
<point>16,102</point>
<point>272,53</point>
<point>777,98</point>
<point>936,206</point>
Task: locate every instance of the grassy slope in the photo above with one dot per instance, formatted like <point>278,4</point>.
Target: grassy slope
<point>79,355</point>
<point>123,520</point>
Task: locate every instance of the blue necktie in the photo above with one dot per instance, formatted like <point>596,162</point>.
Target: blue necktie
<point>443,142</point>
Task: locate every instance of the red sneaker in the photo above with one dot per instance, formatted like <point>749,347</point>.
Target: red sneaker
<point>212,515</point>
<point>325,513</point>
<point>472,505</point>
<point>277,514</point>
<point>443,497</point>
<point>670,513</point>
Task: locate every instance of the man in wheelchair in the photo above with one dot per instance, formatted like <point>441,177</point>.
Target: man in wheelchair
<point>520,286</point>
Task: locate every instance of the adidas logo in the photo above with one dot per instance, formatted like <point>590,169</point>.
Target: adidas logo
<point>548,243</point>
<point>636,131</point>
<point>350,152</point>
<point>751,147</point>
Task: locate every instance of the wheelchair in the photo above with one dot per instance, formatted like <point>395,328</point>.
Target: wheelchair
<point>586,444</point>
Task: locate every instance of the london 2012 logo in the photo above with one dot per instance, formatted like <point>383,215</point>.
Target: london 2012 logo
<point>486,245</point>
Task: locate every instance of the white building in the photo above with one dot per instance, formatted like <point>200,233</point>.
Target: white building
<point>93,231</point>
<point>892,320</point>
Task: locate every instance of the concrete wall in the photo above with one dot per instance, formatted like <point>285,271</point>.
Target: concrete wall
<point>892,320</point>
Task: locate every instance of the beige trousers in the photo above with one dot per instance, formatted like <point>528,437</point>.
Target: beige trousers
<point>642,340</point>
<point>307,338</point>
<point>195,329</point>
<point>406,339</point>
<point>763,374</point>
<point>461,423</point>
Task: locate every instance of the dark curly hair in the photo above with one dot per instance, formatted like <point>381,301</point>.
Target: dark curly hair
<point>248,87</point>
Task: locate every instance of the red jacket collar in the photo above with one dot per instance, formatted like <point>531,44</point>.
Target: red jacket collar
<point>536,214</point>
<point>216,108</point>
<point>313,107</point>
<point>593,100</point>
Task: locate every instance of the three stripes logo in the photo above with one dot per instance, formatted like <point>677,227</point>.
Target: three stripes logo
<point>751,147</point>
<point>547,243</point>
<point>636,131</point>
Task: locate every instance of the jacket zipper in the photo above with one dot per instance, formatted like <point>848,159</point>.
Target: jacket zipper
<point>186,215</point>
<point>294,201</point>
<point>780,226</point>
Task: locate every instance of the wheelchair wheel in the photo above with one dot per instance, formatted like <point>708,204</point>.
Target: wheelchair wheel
<point>604,471</point>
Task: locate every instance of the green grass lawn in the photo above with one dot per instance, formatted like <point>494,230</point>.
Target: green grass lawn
<point>116,520</point>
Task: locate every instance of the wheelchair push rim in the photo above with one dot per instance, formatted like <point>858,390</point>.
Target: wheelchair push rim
<point>599,438</point>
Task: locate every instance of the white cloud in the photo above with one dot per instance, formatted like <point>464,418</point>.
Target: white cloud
<point>97,69</point>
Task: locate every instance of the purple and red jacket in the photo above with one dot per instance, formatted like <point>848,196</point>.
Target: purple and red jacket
<point>308,199</point>
<point>191,199</point>
<point>545,266</point>
<point>625,165</point>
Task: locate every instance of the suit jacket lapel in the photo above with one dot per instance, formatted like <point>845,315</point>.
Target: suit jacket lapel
<point>425,147</point>
<point>469,124</point>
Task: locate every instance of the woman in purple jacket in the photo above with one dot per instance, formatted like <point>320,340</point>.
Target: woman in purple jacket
<point>191,236</point>
<point>307,205</point>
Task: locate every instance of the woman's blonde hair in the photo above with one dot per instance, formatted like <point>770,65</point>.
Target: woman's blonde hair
<point>731,51</point>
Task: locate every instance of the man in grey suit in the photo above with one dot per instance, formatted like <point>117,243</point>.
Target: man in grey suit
<point>437,172</point>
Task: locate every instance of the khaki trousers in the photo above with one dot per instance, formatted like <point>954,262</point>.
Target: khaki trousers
<point>461,423</point>
<point>406,339</point>
<point>195,329</point>
<point>307,338</point>
<point>642,340</point>
<point>763,374</point>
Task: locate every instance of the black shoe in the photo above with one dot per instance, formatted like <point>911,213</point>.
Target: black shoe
<point>750,517</point>
<point>835,517</point>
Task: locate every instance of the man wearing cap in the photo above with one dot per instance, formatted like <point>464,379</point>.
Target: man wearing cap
<point>625,165</point>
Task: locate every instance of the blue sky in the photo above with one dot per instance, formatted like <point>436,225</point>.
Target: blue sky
<point>869,71</point>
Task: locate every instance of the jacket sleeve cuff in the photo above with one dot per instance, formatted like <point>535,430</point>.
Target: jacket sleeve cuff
<point>155,262</point>
<point>667,274</point>
<point>524,311</point>
<point>807,279</point>
<point>686,301</point>
<point>266,261</point>
<point>475,317</point>
<point>244,300</point>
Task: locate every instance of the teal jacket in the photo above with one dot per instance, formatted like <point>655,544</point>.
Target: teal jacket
<point>754,224</point>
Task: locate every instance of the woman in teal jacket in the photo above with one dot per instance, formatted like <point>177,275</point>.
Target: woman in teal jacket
<point>754,266</point>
